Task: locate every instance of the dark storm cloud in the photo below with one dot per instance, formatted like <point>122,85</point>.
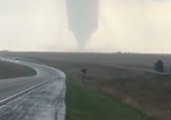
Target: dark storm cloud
<point>83,18</point>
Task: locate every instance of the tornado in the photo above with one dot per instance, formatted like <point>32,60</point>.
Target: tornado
<point>83,17</point>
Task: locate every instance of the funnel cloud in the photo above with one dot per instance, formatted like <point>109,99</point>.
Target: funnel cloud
<point>83,17</point>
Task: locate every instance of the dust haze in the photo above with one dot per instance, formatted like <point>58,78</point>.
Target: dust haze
<point>94,26</point>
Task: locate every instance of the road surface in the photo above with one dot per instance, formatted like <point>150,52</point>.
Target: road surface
<point>39,97</point>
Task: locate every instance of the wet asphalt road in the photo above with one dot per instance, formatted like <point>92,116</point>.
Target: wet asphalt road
<point>43,103</point>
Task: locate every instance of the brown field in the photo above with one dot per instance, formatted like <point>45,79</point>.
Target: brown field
<point>12,70</point>
<point>145,91</point>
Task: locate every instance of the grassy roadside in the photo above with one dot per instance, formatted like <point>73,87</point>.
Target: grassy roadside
<point>11,70</point>
<point>85,103</point>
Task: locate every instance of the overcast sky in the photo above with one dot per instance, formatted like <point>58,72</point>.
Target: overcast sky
<point>122,25</point>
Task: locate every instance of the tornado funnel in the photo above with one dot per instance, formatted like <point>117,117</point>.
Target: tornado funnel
<point>83,17</point>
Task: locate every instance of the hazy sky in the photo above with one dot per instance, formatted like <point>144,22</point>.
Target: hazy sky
<point>122,25</point>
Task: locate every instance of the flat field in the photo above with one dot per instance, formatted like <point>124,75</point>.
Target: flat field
<point>110,91</point>
<point>12,70</point>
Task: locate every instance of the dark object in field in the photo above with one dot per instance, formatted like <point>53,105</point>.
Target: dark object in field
<point>159,66</point>
<point>84,72</point>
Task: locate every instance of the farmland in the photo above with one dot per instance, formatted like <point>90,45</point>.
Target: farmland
<point>147,93</point>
